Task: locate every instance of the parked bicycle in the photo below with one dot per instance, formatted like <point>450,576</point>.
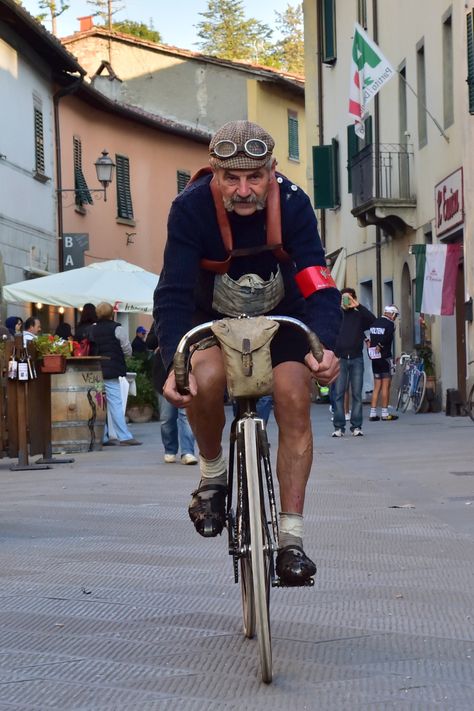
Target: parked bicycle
<point>251,516</point>
<point>413,383</point>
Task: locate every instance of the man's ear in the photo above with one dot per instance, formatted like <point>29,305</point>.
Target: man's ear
<point>273,169</point>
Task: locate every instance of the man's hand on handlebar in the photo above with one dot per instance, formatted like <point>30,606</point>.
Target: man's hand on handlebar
<point>173,396</point>
<point>325,372</point>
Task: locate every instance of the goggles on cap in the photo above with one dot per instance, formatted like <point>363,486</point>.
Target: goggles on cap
<point>254,148</point>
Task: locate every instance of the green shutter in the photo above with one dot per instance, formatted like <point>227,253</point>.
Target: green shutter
<point>368,132</point>
<point>293,138</point>
<point>39,142</point>
<point>182,179</point>
<point>326,175</point>
<point>80,185</point>
<point>470,59</point>
<point>352,150</point>
<point>329,31</point>
<point>124,196</point>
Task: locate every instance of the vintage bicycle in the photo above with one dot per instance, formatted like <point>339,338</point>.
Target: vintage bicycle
<point>251,515</point>
<point>413,383</point>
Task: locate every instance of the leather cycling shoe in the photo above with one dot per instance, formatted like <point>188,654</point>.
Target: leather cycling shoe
<point>207,509</point>
<point>293,566</point>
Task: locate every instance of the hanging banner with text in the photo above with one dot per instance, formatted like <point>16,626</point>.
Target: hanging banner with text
<point>74,246</point>
<point>436,274</point>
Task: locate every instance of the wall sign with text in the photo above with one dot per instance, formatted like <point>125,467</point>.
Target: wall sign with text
<point>449,203</point>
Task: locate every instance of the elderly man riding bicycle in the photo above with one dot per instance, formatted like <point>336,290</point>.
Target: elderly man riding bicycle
<point>242,239</point>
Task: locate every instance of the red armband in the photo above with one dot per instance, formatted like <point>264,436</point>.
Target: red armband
<point>313,279</point>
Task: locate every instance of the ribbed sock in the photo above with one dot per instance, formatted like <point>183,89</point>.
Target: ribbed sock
<point>291,529</point>
<point>373,412</point>
<point>384,411</point>
<point>215,469</point>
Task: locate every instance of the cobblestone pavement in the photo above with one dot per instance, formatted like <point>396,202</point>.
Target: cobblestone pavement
<point>110,601</point>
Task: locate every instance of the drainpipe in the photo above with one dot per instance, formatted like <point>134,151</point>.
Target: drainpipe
<point>319,31</point>
<point>65,91</point>
<point>378,231</point>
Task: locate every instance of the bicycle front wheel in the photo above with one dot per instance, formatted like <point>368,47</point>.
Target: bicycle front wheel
<point>419,393</point>
<point>259,550</point>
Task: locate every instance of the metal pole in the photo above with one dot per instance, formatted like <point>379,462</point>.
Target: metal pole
<point>378,231</point>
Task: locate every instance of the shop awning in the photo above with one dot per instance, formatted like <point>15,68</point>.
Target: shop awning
<point>128,287</point>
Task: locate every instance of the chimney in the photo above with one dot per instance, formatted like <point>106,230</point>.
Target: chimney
<point>86,23</point>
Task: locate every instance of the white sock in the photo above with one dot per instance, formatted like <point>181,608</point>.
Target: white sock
<point>373,412</point>
<point>384,411</point>
<point>291,529</point>
<point>215,469</point>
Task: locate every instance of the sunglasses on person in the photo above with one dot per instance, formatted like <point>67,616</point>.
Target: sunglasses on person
<point>254,148</point>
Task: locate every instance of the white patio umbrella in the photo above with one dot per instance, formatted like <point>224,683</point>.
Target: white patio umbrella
<point>128,287</point>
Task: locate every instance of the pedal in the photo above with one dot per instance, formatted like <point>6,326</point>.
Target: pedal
<point>278,583</point>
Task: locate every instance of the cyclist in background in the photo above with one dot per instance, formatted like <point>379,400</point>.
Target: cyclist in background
<point>380,353</point>
<point>244,239</point>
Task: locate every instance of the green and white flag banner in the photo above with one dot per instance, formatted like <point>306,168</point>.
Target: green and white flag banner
<point>370,70</point>
<point>436,274</point>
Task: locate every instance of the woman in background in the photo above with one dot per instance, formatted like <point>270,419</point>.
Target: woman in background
<point>14,325</point>
<point>88,317</point>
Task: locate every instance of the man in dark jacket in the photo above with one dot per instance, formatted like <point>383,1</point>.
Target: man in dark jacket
<point>356,320</point>
<point>111,341</point>
<point>243,239</point>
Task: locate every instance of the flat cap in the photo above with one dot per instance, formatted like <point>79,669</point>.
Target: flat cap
<point>239,132</point>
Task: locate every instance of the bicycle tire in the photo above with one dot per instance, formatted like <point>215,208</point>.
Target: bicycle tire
<point>258,554</point>
<point>470,404</point>
<point>404,393</point>
<point>419,392</point>
<point>248,599</point>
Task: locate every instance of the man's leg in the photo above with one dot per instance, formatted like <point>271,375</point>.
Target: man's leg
<point>292,402</point>
<point>206,417</point>
<point>186,438</point>
<point>375,397</point>
<point>169,428</point>
<point>340,387</point>
<point>385,398</point>
<point>356,377</point>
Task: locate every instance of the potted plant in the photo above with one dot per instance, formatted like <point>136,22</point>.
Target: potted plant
<point>140,407</point>
<point>425,352</point>
<point>52,352</point>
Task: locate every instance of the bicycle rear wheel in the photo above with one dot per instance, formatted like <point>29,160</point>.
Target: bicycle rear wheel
<point>404,393</point>
<point>419,392</point>
<point>470,404</point>
<point>248,598</point>
<point>259,551</point>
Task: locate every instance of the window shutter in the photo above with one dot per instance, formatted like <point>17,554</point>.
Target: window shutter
<point>293,137</point>
<point>124,196</point>
<point>329,31</point>
<point>352,150</point>
<point>470,59</point>
<point>326,175</point>
<point>39,141</point>
<point>182,177</point>
<point>80,185</point>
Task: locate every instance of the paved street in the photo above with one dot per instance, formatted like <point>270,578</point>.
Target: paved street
<point>110,601</point>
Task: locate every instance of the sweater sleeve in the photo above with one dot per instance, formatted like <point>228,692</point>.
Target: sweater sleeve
<point>174,295</point>
<point>302,241</point>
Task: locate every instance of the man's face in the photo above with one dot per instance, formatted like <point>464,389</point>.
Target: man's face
<point>36,328</point>
<point>244,191</point>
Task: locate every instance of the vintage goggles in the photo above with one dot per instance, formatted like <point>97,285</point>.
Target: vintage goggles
<point>254,148</point>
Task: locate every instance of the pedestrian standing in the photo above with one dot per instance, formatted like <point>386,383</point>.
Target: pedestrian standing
<point>356,321</point>
<point>380,353</point>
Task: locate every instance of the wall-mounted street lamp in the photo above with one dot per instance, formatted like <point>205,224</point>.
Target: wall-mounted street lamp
<point>104,167</point>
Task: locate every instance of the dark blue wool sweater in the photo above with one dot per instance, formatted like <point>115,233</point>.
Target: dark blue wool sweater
<point>183,297</point>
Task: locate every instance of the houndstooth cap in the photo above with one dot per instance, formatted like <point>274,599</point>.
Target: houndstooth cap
<point>239,132</point>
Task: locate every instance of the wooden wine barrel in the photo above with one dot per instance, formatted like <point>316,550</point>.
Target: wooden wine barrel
<point>78,409</point>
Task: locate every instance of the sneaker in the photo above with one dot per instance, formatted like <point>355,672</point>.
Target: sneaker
<point>188,459</point>
<point>293,566</point>
<point>130,442</point>
<point>337,433</point>
<point>389,418</point>
<point>357,432</point>
<point>170,458</point>
<point>374,418</point>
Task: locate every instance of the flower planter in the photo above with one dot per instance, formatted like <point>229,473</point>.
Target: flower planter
<point>53,364</point>
<point>139,413</point>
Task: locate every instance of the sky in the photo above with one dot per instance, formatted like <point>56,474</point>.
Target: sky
<point>174,20</point>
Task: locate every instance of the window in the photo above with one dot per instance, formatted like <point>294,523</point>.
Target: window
<point>448,97</point>
<point>124,196</point>
<point>326,175</point>
<point>355,145</point>
<point>39,138</point>
<point>328,18</point>
<point>293,137</point>
<point>362,13</point>
<point>470,59</point>
<point>182,178</point>
<point>80,186</point>
<point>421,98</point>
